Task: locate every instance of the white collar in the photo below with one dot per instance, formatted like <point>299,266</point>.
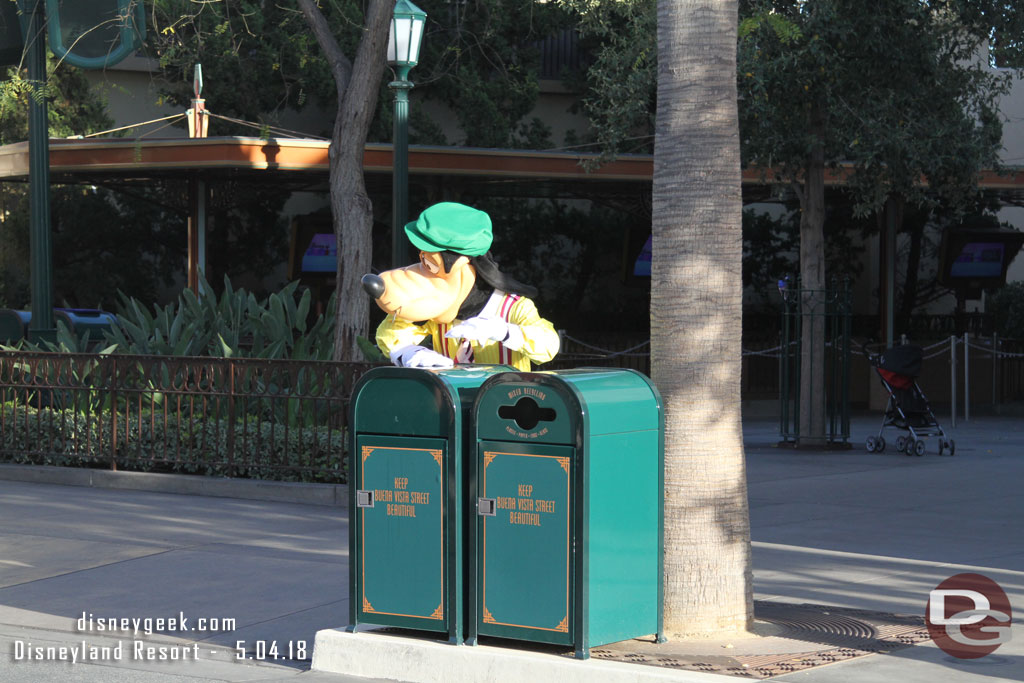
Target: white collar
<point>492,309</point>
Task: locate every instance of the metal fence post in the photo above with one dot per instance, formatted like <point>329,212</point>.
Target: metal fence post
<point>113,414</point>
<point>231,419</point>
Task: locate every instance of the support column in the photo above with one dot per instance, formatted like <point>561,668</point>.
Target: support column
<point>196,234</point>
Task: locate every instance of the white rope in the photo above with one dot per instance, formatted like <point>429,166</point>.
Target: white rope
<point>935,345</point>
<point>260,126</point>
<point>134,125</point>
<point>767,353</point>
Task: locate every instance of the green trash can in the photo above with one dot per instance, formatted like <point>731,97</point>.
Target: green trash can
<point>409,427</point>
<point>567,484</point>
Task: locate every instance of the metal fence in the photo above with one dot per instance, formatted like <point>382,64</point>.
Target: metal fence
<point>265,419</point>
<point>287,420</point>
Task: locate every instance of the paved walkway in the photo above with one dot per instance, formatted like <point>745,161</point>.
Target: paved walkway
<point>842,528</point>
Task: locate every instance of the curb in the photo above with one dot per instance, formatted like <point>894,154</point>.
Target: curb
<point>190,485</point>
<point>413,660</point>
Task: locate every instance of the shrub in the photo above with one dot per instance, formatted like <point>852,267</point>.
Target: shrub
<point>1007,309</point>
<point>249,448</point>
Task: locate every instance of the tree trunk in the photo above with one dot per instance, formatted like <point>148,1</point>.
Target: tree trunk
<point>812,283</point>
<point>357,84</point>
<point>696,314</point>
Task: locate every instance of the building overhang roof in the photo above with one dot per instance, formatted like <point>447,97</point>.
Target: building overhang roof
<point>306,163</point>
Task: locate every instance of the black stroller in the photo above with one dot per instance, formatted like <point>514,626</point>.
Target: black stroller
<point>908,408</point>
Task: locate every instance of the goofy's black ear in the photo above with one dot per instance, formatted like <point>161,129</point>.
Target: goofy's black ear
<point>487,270</point>
<point>448,258</point>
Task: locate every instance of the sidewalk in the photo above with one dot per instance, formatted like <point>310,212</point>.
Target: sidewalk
<point>844,528</point>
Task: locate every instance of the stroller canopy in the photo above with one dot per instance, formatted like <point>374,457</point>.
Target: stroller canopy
<point>902,360</point>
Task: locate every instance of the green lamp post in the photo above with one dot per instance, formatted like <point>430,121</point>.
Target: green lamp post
<point>90,35</point>
<point>404,40</point>
<point>41,328</point>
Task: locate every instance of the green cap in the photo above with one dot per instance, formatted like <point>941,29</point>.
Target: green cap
<point>452,227</point>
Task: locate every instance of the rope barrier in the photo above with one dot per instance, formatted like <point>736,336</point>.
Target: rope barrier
<point>609,351</point>
<point>773,352</point>
<point>995,352</point>
<point>935,345</point>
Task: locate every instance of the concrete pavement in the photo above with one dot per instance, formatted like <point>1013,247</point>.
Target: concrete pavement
<point>842,528</point>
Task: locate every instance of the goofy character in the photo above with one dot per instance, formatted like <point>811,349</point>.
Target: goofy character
<point>472,311</point>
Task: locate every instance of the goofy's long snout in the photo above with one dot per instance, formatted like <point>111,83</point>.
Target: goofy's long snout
<point>373,285</point>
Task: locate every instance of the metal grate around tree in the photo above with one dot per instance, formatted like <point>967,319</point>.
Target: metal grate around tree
<point>828,312</point>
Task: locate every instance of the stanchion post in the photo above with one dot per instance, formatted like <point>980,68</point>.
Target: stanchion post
<point>967,378</point>
<point>995,372</point>
<point>952,380</point>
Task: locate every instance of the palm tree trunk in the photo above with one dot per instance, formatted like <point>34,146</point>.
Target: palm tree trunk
<point>696,313</point>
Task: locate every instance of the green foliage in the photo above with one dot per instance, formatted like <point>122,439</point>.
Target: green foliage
<point>371,353</point>
<point>74,107</point>
<point>482,61</point>
<point>235,324</point>
<point>621,79</point>
<point>260,60</point>
<point>1007,308</point>
<point>897,85</point>
<point>771,249</point>
<point>169,443</point>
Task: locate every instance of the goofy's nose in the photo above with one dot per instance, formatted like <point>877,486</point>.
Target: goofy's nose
<point>373,285</point>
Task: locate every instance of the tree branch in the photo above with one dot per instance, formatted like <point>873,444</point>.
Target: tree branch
<point>341,66</point>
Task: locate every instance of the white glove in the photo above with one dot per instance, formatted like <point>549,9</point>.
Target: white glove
<point>414,356</point>
<point>480,329</point>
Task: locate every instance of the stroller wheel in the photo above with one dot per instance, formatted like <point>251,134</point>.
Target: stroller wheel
<point>942,445</point>
<point>901,444</point>
<point>952,446</point>
<point>919,447</point>
<point>871,444</point>
<point>880,444</point>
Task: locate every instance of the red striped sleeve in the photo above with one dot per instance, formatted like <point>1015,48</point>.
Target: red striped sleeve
<point>505,355</point>
<point>442,329</point>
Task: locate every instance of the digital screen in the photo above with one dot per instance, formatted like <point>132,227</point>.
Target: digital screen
<point>979,260</point>
<point>321,256</point>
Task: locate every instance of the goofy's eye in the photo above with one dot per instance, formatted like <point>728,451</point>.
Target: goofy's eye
<point>430,265</point>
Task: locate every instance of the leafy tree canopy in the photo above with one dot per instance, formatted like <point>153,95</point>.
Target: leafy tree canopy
<point>905,83</point>
<point>260,60</point>
<point>621,79</point>
<point>900,86</point>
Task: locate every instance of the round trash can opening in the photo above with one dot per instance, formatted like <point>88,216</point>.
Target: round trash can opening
<point>526,413</point>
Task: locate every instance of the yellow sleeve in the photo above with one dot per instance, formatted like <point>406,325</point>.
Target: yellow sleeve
<point>394,333</point>
<point>539,339</point>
